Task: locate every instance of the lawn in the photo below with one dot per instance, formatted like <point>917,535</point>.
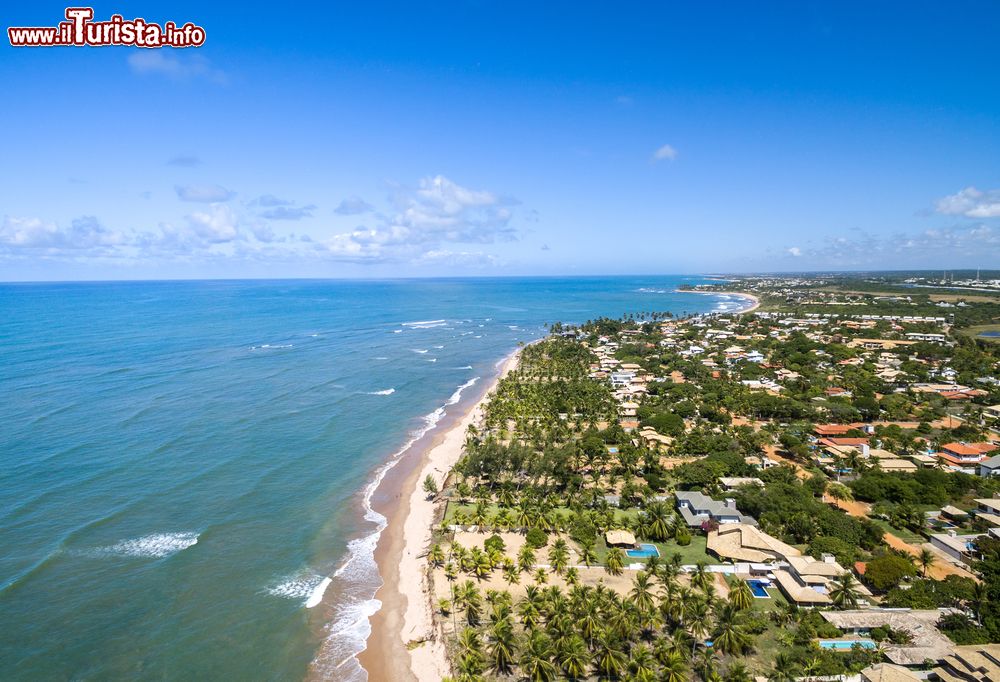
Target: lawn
<point>903,534</point>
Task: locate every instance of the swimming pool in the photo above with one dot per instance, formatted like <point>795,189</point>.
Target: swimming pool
<point>645,551</point>
<point>846,644</point>
<point>757,587</point>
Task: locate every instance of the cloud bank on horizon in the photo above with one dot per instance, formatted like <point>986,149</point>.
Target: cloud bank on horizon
<point>630,145</point>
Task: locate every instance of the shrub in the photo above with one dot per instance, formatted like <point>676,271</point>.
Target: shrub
<point>536,538</point>
<point>494,542</point>
<point>683,536</point>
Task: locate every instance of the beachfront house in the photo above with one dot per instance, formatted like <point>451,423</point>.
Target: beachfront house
<point>696,508</point>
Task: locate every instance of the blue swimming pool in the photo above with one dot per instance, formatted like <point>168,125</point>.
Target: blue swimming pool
<point>990,334</point>
<point>758,589</point>
<point>645,551</point>
<point>846,644</point>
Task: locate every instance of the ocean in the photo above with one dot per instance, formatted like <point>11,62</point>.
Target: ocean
<point>185,466</point>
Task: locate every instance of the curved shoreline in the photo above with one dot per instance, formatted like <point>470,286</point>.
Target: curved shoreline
<point>754,302</point>
<point>405,617</point>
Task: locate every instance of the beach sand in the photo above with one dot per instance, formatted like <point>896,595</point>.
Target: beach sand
<point>404,642</point>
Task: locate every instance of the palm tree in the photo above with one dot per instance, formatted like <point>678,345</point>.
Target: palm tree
<point>699,623</point>
<point>729,636</point>
<point>587,554</point>
<point>611,660</point>
<point>700,578</point>
<point>642,595</point>
<point>657,517</point>
<point>925,560</point>
<point>534,662</point>
<point>741,596</point>
<point>614,562</point>
<point>737,672</point>
<point>436,556</point>
<point>574,657</point>
<point>642,664</point>
<point>785,669</point>
<point>559,556</point>
<point>502,646</point>
<point>844,594</point>
<point>673,667</point>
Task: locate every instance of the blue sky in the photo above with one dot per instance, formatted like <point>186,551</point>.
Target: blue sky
<point>427,139</point>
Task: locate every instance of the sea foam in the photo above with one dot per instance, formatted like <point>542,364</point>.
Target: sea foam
<point>347,634</point>
<point>387,391</point>
<point>154,546</point>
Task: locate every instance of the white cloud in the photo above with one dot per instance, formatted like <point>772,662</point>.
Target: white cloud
<point>215,226</point>
<point>424,226</point>
<point>174,64</point>
<point>955,246</point>
<point>971,203</point>
<point>438,211</point>
<point>353,206</point>
<point>665,153</point>
<point>208,194</point>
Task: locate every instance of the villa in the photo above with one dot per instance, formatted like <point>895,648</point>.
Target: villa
<point>697,508</point>
<point>742,542</point>
<point>807,581</point>
<point>927,643</point>
<point>970,663</point>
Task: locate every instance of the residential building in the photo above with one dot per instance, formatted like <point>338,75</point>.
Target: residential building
<point>696,508</point>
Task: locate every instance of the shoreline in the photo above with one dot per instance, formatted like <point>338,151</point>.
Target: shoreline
<point>406,612</point>
<point>753,300</point>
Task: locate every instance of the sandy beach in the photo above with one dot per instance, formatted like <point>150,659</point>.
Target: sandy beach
<point>753,300</point>
<point>404,643</point>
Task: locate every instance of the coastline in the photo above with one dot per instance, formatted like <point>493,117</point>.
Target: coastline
<point>405,615</point>
<point>754,302</point>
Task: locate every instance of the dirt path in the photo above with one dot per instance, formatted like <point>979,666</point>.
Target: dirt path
<point>939,570</point>
<point>775,456</point>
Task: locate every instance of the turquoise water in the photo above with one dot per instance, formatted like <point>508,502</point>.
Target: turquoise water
<point>846,644</point>
<point>645,551</point>
<point>184,464</point>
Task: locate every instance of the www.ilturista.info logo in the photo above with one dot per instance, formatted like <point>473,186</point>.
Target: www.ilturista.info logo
<point>80,30</point>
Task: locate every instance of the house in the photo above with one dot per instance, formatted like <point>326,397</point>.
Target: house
<point>964,457</point>
<point>990,467</point>
<point>888,672</point>
<point>988,510</point>
<point>755,356</point>
<point>827,430</point>
<point>807,581</point>
<point>970,663</point>
<point>958,548</point>
<point>742,542</point>
<point>878,344</point>
<point>696,509</point>
<point>926,641</point>
<point>897,465</point>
